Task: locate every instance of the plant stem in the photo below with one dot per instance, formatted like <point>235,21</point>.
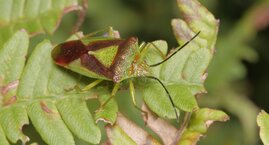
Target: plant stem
<point>81,16</point>
<point>182,128</point>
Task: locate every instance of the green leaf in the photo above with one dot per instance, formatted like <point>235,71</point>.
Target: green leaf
<point>12,60</point>
<point>109,112</point>
<point>47,121</point>
<point>156,52</point>
<point>263,123</point>
<point>196,66</point>
<point>199,122</point>
<point>197,18</point>
<point>157,99</point>
<point>3,139</point>
<point>12,119</point>
<point>187,68</point>
<point>117,136</point>
<point>13,53</point>
<point>41,77</point>
<point>79,120</point>
<point>33,15</point>
<point>193,60</point>
<point>183,97</point>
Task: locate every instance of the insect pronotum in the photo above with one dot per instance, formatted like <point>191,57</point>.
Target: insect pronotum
<point>107,58</point>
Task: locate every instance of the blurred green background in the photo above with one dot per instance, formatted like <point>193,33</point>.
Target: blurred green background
<point>238,77</point>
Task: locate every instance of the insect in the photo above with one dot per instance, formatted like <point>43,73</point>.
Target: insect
<point>111,59</point>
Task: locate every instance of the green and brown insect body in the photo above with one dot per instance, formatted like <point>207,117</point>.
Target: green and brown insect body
<point>102,58</point>
<point>110,59</point>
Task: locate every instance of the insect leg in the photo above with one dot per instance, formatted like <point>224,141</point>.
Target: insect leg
<point>91,85</point>
<point>87,88</point>
<point>114,91</point>
<point>76,87</point>
<point>132,92</point>
<point>106,31</point>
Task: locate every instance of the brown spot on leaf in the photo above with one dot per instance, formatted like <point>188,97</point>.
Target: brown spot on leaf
<point>10,101</point>
<point>204,76</point>
<point>183,76</point>
<point>45,107</point>
<point>8,87</point>
<point>194,6</point>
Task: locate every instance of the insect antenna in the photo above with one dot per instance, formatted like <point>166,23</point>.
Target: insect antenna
<point>169,96</point>
<point>186,43</point>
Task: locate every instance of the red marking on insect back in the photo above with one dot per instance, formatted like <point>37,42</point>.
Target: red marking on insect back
<point>93,46</point>
<point>67,52</point>
<point>93,64</point>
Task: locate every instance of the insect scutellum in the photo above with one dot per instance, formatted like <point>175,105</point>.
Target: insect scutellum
<point>107,58</point>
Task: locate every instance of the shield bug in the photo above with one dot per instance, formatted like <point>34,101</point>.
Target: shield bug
<point>108,58</point>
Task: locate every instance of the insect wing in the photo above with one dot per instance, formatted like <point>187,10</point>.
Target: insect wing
<point>87,56</point>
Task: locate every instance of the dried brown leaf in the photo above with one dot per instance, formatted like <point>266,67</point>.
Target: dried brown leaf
<point>163,129</point>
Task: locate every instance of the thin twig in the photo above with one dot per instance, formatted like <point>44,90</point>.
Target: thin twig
<point>81,16</point>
